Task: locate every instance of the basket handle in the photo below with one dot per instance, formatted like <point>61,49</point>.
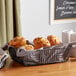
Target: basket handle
<point>5,47</point>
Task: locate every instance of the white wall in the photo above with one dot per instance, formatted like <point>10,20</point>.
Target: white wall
<point>35,20</point>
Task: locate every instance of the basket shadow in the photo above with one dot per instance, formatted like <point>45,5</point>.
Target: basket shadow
<point>73,59</point>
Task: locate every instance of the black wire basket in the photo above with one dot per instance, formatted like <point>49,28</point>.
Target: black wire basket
<point>54,54</point>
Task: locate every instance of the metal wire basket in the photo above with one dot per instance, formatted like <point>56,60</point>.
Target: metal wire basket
<point>54,54</point>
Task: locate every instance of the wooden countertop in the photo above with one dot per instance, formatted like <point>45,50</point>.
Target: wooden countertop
<point>60,69</point>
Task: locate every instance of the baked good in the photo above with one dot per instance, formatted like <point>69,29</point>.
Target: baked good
<point>29,47</point>
<point>18,42</point>
<point>54,40</point>
<point>40,42</point>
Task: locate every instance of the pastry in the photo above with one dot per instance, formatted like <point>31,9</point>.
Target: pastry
<point>29,47</point>
<point>40,42</point>
<point>54,40</point>
<point>18,42</point>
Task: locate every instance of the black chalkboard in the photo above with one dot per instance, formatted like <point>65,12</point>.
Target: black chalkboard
<point>65,9</point>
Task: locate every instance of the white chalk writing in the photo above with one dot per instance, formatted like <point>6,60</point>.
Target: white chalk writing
<point>67,2</point>
<point>65,13</point>
<point>67,8</point>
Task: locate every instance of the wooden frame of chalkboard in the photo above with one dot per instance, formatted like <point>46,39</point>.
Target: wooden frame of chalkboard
<point>62,10</point>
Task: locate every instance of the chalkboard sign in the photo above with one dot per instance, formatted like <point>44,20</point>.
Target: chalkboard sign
<point>65,9</point>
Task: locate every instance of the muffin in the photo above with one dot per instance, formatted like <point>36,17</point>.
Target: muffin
<point>17,42</point>
<point>29,47</point>
<point>40,42</point>
<point>54,40</point>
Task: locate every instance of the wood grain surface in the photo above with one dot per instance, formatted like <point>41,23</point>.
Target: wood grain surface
<point>59,69</point>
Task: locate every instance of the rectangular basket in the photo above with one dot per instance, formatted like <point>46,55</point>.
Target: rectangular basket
<point>54,54</point>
